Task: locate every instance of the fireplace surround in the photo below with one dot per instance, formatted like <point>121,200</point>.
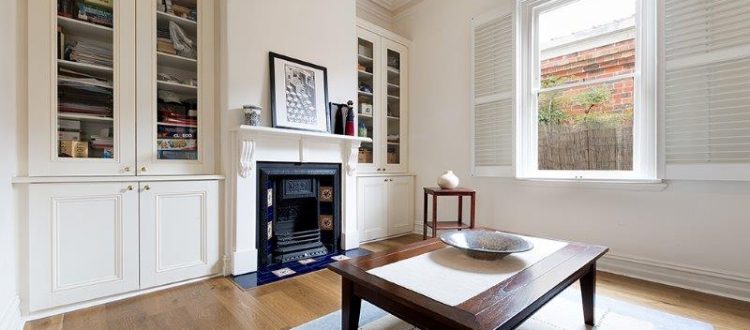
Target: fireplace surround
<point>255,145</point>
<point>299,211</point>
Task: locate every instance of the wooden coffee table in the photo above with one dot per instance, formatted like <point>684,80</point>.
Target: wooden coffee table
<point>504,306</point>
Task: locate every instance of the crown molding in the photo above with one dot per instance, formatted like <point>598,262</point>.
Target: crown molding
<point>376,10</point>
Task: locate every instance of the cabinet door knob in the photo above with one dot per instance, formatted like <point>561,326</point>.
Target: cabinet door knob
<point>146,187</point>
<point>386,180</point>
<point>391,180</point>
<point>143,168</point>
<point>130,187</point>
<point>126,169</point>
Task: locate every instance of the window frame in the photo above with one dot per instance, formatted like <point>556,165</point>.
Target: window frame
<point>645,102</point>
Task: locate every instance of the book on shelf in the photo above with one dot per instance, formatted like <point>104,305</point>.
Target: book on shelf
<point>60,43</point>
<point>172,110</point>
<point>69,125</point>
<point>175,132</point>
<point>68,135</point>
<point>176,144</point>
<point>101,3</point>
<point>89,53</point>
<point>76,78</point>
<point>165,45</point>
<point>95,13</point>
<point>178,154</point>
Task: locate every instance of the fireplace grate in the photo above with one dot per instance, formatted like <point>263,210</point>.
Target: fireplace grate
<point>298,245</point>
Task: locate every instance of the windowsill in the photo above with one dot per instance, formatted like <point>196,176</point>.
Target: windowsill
<point>634,185</point>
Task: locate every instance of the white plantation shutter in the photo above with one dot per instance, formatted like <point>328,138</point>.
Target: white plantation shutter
<point>707,89</point>
<point>492,108</point>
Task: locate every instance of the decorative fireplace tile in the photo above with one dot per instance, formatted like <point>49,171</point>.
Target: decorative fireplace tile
<point>269,196</point>
<point>283,272</point>
<point>306,261</point>
<point>326,222</point>
<point>340,257</point>
<point>326,194</point>
<point>266,275</point>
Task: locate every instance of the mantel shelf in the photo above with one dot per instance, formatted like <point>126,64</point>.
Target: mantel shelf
<point>299,134</point>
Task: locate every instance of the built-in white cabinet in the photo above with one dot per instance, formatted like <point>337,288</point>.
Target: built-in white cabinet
<point>179,231</point>
<point>120,88</point>
<point>385,206</point>
<point>382,91</point>
<point>372,207</point>
<point>83,242</point>
<point>97,239</point>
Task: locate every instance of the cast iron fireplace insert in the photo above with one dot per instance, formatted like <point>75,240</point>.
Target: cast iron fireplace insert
<point>299,211</point>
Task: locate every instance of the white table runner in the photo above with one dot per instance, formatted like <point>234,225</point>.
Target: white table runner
<point>451,277</point>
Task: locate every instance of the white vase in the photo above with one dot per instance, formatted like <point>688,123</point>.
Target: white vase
<point>448,180</point>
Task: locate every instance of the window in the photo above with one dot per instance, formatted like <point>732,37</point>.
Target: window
<point>585,90</point>
<point>706,102</point>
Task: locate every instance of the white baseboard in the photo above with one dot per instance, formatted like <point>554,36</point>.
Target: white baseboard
<point>10,315</point>
<point>733,286</point>
<point>73,307</point>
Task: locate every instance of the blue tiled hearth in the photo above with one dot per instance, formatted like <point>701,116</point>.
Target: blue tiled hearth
<point>277,272</point>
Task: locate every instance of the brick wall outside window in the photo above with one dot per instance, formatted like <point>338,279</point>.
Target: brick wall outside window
<point>596,63</point>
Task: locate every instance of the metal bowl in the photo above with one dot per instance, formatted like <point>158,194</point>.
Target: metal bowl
<point>485,244</point>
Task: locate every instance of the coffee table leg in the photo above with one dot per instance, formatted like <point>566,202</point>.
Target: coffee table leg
<point>350,305</point>
<point>588,293</point>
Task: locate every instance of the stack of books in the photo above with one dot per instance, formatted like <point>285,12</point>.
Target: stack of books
<point>96,11</point>
<point>164,41</point>
<point>93,11</point>
<point>89,53</point>
<point>170,113</point>
<point>76,78</point>
<point>79,98</point>
<point>68,130</point>
<point>177,132</point>
<point>103,144</point>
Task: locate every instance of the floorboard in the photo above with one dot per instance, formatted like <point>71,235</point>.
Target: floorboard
<point>220,304</point>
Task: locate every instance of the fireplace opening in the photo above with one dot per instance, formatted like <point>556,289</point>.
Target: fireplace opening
<point>299,211</point>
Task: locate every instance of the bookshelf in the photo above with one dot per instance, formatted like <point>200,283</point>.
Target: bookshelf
<point>177,58</point>
<point>381,73</point>
<point>85,94</point>
<point>121,87</point>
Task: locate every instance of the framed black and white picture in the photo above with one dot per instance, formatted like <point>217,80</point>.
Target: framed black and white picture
<point>299,94</point>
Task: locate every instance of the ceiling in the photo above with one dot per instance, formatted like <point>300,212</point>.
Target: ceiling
<point>396,6</point>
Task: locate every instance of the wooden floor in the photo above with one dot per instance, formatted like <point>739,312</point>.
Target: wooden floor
<point>220,304</point>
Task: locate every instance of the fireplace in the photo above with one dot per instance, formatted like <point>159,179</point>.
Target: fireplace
<point>299,211</point>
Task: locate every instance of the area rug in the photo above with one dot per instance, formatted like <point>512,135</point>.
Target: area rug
<point>562,313</point>
<point>291,269</point>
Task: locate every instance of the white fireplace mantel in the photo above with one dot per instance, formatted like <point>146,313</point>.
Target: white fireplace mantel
<point>265,144</point>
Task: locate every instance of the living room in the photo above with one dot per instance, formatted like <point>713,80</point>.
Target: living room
<point>383,164</point>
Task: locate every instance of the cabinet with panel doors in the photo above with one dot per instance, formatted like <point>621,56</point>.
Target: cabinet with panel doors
<point>385,206</point>
<point>382,94</point>
<point>97,239</point>
<point>120,88</point>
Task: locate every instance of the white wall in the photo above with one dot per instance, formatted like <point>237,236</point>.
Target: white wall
<point>321,32</point>
<point>12,97</point>
<point>691,234</point>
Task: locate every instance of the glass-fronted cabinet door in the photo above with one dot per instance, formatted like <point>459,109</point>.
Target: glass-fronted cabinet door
<point>395,101</point>
<point>369,104</point>
<point>81,122</point>
<point>175,105</point>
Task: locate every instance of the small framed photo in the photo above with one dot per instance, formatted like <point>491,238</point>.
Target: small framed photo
<point>299,94</point>
<point>366,109</point>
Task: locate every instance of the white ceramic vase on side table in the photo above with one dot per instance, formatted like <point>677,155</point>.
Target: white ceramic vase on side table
<point>448,180</point>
